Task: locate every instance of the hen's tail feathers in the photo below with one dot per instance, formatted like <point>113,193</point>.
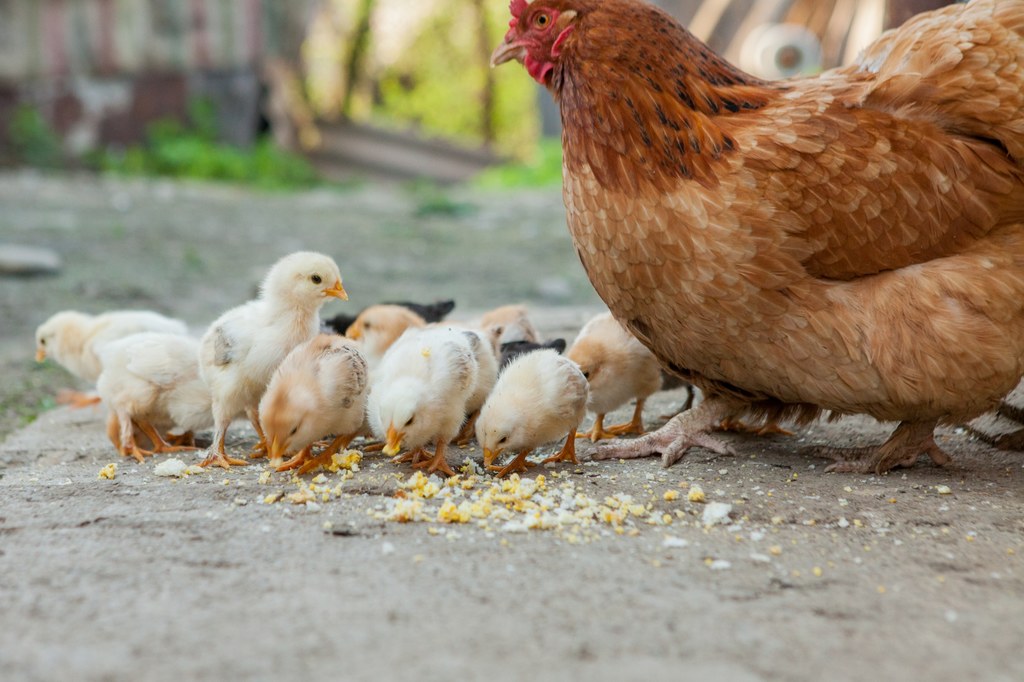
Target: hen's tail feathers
<point>963,64</point>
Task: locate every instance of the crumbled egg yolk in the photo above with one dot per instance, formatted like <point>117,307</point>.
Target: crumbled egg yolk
<point>696,494</point>
<point>108,472</point>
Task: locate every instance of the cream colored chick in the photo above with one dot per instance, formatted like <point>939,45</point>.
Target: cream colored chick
<point>243,347</point>
<point>376,328</point>
<point>150,381</point>
<point>508,323</point>
<point>540,397</point>
<point>73,339</point>
<point>420,390</point>
<point>319,389</point>
<point>618,368</point>
<point>487,375</point>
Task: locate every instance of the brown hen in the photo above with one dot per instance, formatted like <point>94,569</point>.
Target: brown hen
<point>850,242</point>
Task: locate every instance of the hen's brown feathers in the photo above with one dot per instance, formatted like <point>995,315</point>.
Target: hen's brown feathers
<point>850,242</point>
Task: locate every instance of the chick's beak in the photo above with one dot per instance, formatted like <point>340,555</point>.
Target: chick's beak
<point>40,354</point>
<point>337,291</point>
<point>276,449</point>
<point>393,441</point>
<point>507,51</point>
<point>490,456</point>
<point>355,331</point>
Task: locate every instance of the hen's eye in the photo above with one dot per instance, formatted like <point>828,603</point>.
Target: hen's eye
<point>316,279</point>
<point>542,20</point>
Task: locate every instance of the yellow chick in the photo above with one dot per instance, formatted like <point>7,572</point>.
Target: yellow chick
<point>319,389</point>
<point>242,348</point>
<point>420,390</point>
<point>150,381</point>
<point>540,397</point>
<point>618,368</point>
<point>376,328</point>
<point>73,340</point>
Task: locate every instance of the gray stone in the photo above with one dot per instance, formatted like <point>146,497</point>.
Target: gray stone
<point>28,260</point>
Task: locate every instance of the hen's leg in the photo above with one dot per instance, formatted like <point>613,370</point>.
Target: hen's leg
<point>567,453</point>
<point>687,430</point>
<point>907,442</point>
<point>438,462</point>
<point>634,425</point>
<point>597,431</point>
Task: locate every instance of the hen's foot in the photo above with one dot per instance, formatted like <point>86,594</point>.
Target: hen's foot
<point>519,464</point>
<point>567,453</point>
<point>905,445</point>
<point>436,463</point>
<point>769,428</point>
<point>673,440</point>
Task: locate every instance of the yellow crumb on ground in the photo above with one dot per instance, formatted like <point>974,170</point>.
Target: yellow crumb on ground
<point>108,472</point>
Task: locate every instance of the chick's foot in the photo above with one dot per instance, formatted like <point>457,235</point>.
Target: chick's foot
<point>437,463</point>
<point>76,399</point>
<point>325,458</point>
<point>567,453</point>
<point>221,459</point>
<point>908,441</point>
<point>673,440</point>
<point>297,461</point>
<point>519,465</point>
<point>597,431</point>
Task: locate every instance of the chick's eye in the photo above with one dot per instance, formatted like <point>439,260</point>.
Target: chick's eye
<point>294,431</point>
<point>542,20</point>
<point>504,439</point>
<point>410,420</point>
<point>316,279</point>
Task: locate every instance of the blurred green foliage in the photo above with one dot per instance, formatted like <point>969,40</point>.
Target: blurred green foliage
<point>544,170</point>
<point>33,141</point>
<point>192,151</point>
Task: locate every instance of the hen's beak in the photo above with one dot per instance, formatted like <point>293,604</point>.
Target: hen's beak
<point>337,291</point>
<point>506,52</point>
<point>40,354</point>
<point>490,456</point>
<point>393,441</point>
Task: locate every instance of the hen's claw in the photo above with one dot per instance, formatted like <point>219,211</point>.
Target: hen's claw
<point>901,450</point>
<point>687,430</point>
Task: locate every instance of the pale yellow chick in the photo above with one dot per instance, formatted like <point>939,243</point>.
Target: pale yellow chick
<point>318,390</point>
<point>377,327</point>
<point>539,398</point>
<point>151,381</point>
<point>420,391</point>
<point>508,323</point>
<point>618,368</point>
<point>243,347</point>
<point>73,339</point>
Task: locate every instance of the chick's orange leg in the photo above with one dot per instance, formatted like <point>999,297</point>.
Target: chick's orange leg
<point>261,448</point>
<point>519,464</point>
<point>297,460</point>
<point>634,425</point>
<point>325,458</point>
<point>597,431</point>
<point>218,455</point>
<point>690,429</point>
<point>567,453</point>
<point>438,462</point>
<point>466,432</point>
<point>121,430</point>
<point>76,399</point>
<point>907,442</point>
<point>159,444</point>
<point>413,456</point>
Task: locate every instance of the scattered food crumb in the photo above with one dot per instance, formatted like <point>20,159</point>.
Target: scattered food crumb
<point>108,472</point>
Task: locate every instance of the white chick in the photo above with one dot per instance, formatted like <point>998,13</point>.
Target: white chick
<point>507,324</point>
<point>540,397</point>
<point>73,339</point>
<point>419,393</point>
<point>487,375</point>
<point>242,348</point>
<point>619,368</point>
<point>151,381</point>
<point>318,389</point>
<point>376,328</point>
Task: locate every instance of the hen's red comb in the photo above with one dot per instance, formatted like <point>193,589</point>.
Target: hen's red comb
<point>517,7</point>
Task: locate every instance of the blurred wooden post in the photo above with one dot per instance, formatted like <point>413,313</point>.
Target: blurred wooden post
<point>487,96</point>
<point>898,11</point>
<point>354,62</point>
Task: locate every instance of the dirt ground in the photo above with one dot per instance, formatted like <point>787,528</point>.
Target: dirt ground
<point>811,576</point>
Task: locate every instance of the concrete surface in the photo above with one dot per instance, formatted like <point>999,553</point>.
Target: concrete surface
<point>913,575</point>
